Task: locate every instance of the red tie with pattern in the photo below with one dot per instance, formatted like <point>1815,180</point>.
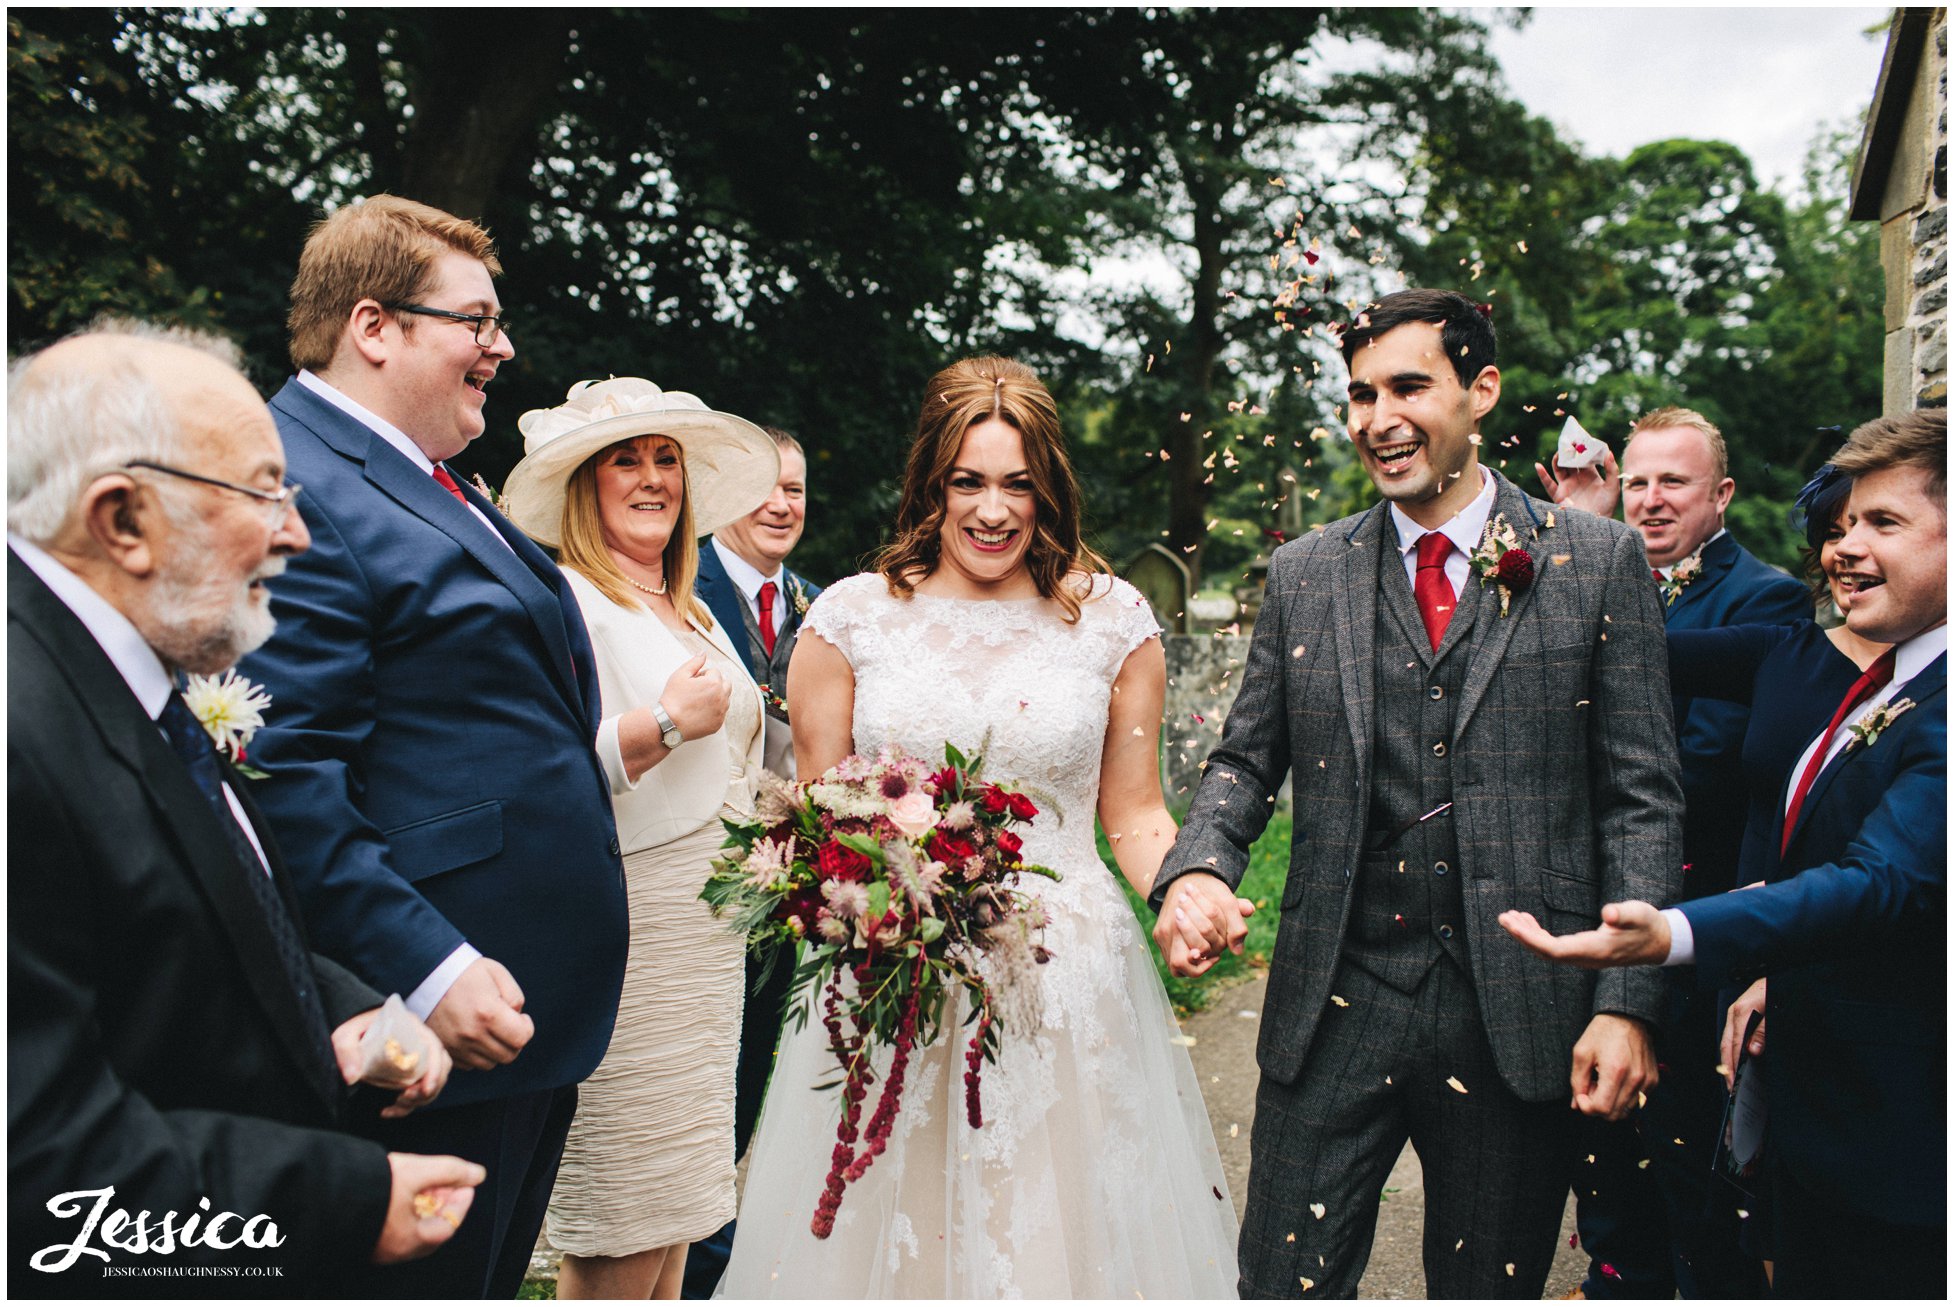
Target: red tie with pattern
<point>767,591</point>
<point>1435,598</point>
<point>448,483</point>
<point>1870,683</point>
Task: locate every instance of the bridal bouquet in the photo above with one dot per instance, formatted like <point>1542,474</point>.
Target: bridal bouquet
<point>902,882</point>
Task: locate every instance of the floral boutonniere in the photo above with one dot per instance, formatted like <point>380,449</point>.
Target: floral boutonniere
<point>774,702</point>
<point>798,593</point>
<point>1868,730</point>
<point>231,710</point>
<point>1500,561</point>
<point>1680,576</point>
<point>489,493</point>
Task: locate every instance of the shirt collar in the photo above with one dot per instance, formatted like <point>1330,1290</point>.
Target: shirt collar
<point>1465,529</point>
<point>1721,533</point>
<point>367,418</point>
<point>743,574</point>
<point>144,673</point>
<point>1910,657</point>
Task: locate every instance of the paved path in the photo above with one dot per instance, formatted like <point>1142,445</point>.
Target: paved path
<point>1224,1057</point>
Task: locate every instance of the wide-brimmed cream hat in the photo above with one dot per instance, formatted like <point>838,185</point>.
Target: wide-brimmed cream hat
<point>730,464</point>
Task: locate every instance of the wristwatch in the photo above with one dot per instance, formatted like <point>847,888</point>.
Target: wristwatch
<point>668,732</point>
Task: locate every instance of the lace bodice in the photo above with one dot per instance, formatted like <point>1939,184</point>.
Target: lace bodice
<point>1010,679</point>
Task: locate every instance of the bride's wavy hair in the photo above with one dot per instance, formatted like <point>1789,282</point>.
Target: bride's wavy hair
<point>957,399</point>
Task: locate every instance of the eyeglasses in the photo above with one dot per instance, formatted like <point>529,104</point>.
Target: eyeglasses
<point>273,503</point>
<point>486,324</point>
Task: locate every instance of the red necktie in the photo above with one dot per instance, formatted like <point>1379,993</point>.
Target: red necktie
<point>767,591</point>
<point>1656,572</point>
<point>1870,682</point>
<point>1435,598</point>
<point>448,483</point>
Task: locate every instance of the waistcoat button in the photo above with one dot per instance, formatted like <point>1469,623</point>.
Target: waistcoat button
<point>1437,692</point>
<point>1438,750</point>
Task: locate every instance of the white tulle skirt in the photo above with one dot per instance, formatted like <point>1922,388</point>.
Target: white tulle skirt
<point>1095,1174</point>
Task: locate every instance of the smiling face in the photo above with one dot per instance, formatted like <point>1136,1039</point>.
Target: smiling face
<point>1671,493</point>
<point>769,533</point>
<point>1892,563</point>
<point>990,506</point>
<point>1414,423</point>
<point>436,375</point>
<point>640,488</point>
<point>1828,556</point>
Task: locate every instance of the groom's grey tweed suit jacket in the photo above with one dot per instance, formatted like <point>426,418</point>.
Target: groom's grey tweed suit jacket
<point>1566,785</point>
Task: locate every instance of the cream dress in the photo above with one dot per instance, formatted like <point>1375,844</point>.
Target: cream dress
<point>649,1161</point>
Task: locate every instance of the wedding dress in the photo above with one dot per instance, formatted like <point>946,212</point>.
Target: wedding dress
<point>1095,1174</point>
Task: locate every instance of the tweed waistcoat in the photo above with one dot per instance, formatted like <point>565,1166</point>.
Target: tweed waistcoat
<point>768,671</point>
<point>1408,906</point>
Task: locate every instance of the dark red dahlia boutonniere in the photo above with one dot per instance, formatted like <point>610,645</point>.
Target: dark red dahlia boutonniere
<point>1500,561</point>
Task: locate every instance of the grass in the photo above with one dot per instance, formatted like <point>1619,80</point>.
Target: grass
<point>1268,862</point>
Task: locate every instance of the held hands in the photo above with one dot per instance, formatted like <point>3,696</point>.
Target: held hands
<point>1632,934</point>
<point>695,698</point>
<point>346,1051</point>
<point>1199,917</point>
<point>1596,489</point>
<point>480,1018</point>
<point>1614,1065</point>
<point>1751,1000</point>
<point>430,1197</point>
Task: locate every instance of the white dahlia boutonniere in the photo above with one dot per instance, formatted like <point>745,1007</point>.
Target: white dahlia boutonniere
<point>231,710</point>
<point>1680,576</point>
<point>1500,561</point>
<point>798,593</point>
<point>1867,730</point>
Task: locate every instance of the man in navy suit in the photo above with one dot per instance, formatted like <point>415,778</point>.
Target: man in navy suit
<point>744,579</point>
<point>433,776</point>
<point>1675,488</point>
<point>1852,927</point>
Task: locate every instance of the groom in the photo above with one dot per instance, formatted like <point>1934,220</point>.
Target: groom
<point>1462,738</point>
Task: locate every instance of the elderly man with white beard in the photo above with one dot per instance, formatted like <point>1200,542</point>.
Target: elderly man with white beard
<point>175,1049</point>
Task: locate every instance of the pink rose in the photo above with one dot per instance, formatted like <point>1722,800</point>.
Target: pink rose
<point>913,813</point>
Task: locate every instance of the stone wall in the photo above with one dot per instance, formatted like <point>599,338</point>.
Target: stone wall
<point>1913,238</point>
<point>1203,673</point>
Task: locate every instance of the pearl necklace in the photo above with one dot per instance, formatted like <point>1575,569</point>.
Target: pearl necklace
<point>660,591</point>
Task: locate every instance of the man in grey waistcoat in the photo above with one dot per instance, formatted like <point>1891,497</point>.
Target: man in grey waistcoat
<point>744,580</point>
<point>1471,693</point>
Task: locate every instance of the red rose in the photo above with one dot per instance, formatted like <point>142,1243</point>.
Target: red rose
<point>949,849</point>
<point>1022,808</point>
<point>1009,844</point>
<point>1514,570</point>
<point>839,862</point>
<point>995,801</point>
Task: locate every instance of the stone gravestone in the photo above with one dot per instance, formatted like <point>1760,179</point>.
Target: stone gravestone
<point>1164,580</point>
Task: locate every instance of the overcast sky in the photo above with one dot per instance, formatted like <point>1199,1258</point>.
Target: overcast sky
<point>1761,78</point>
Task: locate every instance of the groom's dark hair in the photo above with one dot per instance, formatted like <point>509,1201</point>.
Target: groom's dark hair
<point>1465,326</point>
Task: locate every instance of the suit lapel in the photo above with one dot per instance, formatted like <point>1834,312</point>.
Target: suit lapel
<point>521,567</point>
<point>1718,558</point>
<point>178,806</point>
<point>1354,619</point>
<point>722,598</point>
<point>1922,689</point>
<point>1492,633</point>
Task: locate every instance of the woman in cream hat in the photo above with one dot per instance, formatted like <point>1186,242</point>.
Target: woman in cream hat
<point>622,479</point>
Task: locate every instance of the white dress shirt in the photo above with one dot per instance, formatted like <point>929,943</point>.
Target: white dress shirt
<point>142,671</point>
<point>1910,658</point>
<point>390,433</point>
<point>433,989</point>
<point>748,580</point>
<point>1465,530</point>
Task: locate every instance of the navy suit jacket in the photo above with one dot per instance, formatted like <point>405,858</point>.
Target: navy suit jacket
<point>717,591</point>
<point>430,744</point>
<point>1852,931</point>
<point>1733,589</point>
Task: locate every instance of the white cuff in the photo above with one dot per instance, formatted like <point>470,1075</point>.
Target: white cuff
<point>429,993</point>
<point>610,752</point>
<point>1682,940</point>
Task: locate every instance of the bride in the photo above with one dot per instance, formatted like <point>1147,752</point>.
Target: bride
<point>989,624</point>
